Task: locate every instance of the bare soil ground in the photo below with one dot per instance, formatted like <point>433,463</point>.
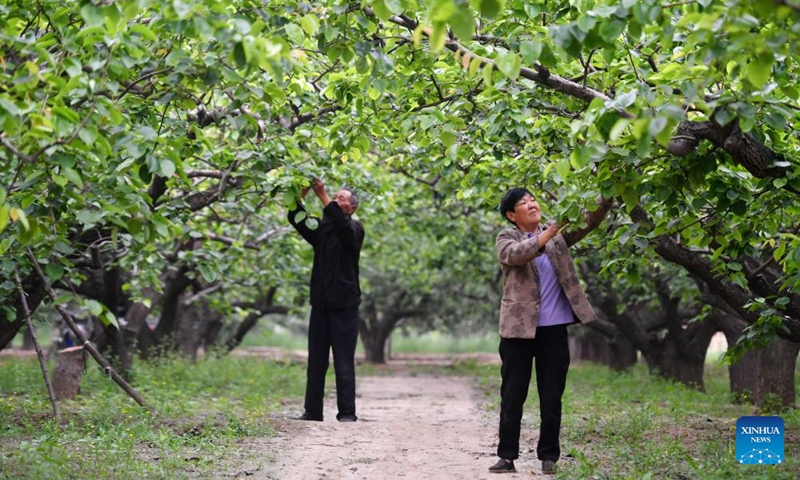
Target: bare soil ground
<point>410,427</point>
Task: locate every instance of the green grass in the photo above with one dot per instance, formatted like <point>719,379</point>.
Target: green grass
<point>635,426</point>
<point>615,426</point>
<point>203,409</point>
<point>402,342</point>
<point>437,342</point>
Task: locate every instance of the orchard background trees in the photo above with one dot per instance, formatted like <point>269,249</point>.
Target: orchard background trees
<point>149,152</point>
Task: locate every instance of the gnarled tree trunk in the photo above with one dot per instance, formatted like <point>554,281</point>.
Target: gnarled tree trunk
<point>766,377</point>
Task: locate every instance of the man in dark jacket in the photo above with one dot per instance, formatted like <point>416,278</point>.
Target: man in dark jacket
<point>335,296</point>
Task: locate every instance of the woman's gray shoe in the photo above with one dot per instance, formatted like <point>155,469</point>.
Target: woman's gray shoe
<point>548,467</point>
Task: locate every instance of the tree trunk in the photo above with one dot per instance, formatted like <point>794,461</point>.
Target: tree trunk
<point>623,353</point>
<point>766,377</point>
<point>375,337</point>
<point>589,347</point>
<point>186,338</point>
<point>70,363</point>
<point>27,339</point>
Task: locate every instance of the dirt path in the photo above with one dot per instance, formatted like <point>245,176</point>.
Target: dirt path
<point>409,427</point>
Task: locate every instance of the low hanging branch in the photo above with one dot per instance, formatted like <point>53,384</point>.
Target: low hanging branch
<point>27,312</point>
<point>82,338</point>
<point>745,149</point>
<point>539,75</point>
<point>734,295</point>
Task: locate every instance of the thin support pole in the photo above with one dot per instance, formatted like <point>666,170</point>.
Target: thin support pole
<point>42,363</point>
<point>79,334</point>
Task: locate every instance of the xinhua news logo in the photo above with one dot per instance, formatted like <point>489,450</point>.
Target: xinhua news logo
<point>759,440</point>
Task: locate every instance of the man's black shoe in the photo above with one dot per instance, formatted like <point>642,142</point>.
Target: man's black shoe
<point>305,416</point>
<point>347,418</point>
<point>548,467</point>
<point>503,466</point>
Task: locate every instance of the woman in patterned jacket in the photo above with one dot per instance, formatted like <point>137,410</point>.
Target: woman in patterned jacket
<point>541,296</point>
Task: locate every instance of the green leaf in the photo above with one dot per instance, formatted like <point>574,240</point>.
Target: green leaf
<point>611,29</point>
<point>4,217</point>
<point>548,58</point>
<point>723,116</point>
<point>381,10</point>
<point>491,8</point>
<point>295,33</point>
<point>776,120</point>
<point>586,22</point>
<point>144,31</point>
<point>9,107</point>
<point>26,236</point>
<point>239,55</point>
<point>448,139</point>
<point>89,217</point>
<point>95,307</point>
<point>310,25</point>
<point>778,253</point>
<point>509,64</point>
<point>790,91</point>
<point>442,10</point>
<point>394,6</point>
<point>618,129</point>
<point>18,215</point>
<point>63,298</point>
<point>562,167</point>
<point>760,69</point>
<point>73,176</point>
<point>66,113</point>
<point>54,272</point>
<point>167,168</point>
<point>92,15</point>
<point>631,198</point>
<point>487,73</point>
<point>462,23</point>
<point>438,36</point>
<point>182,9</point>
<point>580,157</point>
<point>208,273</point>
<point>474,65</point>
<point>530,51</point>
<point>532,10</point>
<point>109,318</point>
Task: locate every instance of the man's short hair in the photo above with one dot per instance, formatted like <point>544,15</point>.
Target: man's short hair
<point>353,196</point>
<point>510,199</point>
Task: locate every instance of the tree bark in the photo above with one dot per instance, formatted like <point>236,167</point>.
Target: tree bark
<point>766,377</point>
<point>374,336</point>
<point>67,373</point>
<point>686,363</point>
<point>186,338</point>
<point>733,295</point>
<point>590,347</point>
<point>623,353</point>
<point>27,339</point>
<point>679,354</point>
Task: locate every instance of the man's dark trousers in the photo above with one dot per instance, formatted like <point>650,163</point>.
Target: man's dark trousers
<point>337,330</point>
<point>551,350</point>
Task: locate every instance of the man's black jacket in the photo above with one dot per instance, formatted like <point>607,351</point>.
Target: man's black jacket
<point>337,246</point>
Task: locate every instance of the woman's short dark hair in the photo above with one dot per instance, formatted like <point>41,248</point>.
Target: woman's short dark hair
<point>510,199</point>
